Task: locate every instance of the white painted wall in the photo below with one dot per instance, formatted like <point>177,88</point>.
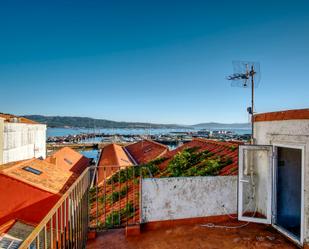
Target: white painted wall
<point>188,197</point>
<point>1,139</point>
<point>293,133</point>
<point>23,141</point>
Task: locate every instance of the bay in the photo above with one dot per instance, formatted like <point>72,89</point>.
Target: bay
<point>51,132</point>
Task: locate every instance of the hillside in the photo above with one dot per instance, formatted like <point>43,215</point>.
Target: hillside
<point>84,122</point>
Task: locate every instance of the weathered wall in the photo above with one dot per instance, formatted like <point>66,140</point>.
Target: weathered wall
<point>23,141</point>
<point>188,197</point>
<point>1,139</point>
<point>289,132</point>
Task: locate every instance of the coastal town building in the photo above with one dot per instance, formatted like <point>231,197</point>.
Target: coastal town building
<point>21,138</point>
<point>275,172</point>
<point>30,188</point>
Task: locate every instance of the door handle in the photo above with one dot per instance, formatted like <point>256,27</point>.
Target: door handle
<point>245,181</point>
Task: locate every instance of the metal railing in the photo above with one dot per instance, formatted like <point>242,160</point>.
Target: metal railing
<point>66,225</point>
<point>113,201</point>
<point>115,197</point>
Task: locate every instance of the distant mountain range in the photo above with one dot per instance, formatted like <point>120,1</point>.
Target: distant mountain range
<point>213,125</point>
<point>84,122</point>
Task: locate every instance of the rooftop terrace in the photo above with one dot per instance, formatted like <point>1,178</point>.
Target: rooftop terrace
<point>194,236</point>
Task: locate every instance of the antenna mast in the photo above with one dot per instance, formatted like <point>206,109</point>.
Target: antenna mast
<point>252,104</point>
<point>243,72</point>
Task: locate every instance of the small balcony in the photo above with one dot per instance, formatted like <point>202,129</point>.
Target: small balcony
<point>127,207</point>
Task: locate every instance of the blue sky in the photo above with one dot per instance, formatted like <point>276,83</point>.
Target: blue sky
<point>152,61</point>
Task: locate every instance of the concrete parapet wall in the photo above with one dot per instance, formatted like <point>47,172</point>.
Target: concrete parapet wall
<point>188,197</point>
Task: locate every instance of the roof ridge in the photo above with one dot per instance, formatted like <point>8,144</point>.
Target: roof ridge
<point>154,142</point>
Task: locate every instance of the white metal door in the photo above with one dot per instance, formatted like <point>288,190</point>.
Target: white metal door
<point>255,183</point>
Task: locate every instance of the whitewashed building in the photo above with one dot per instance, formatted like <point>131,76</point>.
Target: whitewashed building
<point>274,174</point>
<point>21,138</point>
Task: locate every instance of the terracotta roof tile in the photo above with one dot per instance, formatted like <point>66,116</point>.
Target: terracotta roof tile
<point>282,115</point>
<point>217,147</point>
<point>9,118</point>
<point>41,174</point>
<point>69,160</point>
<point>146,150</point>
<point>113,157</point>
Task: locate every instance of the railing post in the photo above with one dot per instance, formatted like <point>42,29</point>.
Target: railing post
<point>72,210</point>
<point>45,237</point>
<point>51,233</point>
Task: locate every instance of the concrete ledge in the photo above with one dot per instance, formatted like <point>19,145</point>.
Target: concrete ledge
<point>282,115</point>
<point>133,230</point>
<point>188,221</point>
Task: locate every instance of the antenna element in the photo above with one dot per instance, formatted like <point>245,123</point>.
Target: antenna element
<point>246,74</point>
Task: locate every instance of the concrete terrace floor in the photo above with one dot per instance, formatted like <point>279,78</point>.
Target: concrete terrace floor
<point>194,237</point>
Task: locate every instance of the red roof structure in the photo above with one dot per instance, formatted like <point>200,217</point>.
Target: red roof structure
<point>223,149</point>
<point>30,188</point>
<point>227,149</point>
<point>9,118</point>
<point>282,115</point>
<point>146,150</point>
<point>69,160</point>
<point>112,157</point>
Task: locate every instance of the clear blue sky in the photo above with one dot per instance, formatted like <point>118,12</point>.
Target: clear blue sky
<point>153,61</point>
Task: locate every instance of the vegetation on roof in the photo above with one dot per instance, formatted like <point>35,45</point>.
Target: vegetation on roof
<point>190,162</point>
<point>119,198</point>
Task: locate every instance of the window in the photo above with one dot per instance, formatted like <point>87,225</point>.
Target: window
<point>67,161</point>
<point>32,170</point>
<point>9,242</point>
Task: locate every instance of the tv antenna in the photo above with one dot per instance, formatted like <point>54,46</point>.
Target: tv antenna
<point>246,75</point>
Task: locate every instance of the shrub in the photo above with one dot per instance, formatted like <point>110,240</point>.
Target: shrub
<point>144,170</point>
<point>128,210</point>
<point>113,219</point>
<point>233,147</point>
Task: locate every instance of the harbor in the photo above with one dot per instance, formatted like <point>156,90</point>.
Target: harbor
<point>90,142</point>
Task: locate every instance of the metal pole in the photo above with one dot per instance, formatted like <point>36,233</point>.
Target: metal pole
<point>252,104</point>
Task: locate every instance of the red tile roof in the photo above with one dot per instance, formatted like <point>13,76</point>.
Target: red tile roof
<point>68,159</point>
<point>227,149</point>
<point>113,154</point>
<point>224,149</point>
<point>30,188</point>
<point>146,150</point>
<point>23,201</point>
<point>9,118</point>
<point>282,115</point>
<point>40,174</point>
<point>112,157</point>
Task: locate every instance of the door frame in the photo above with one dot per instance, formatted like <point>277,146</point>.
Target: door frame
<point>274,190</point>
<point>268,219</point>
